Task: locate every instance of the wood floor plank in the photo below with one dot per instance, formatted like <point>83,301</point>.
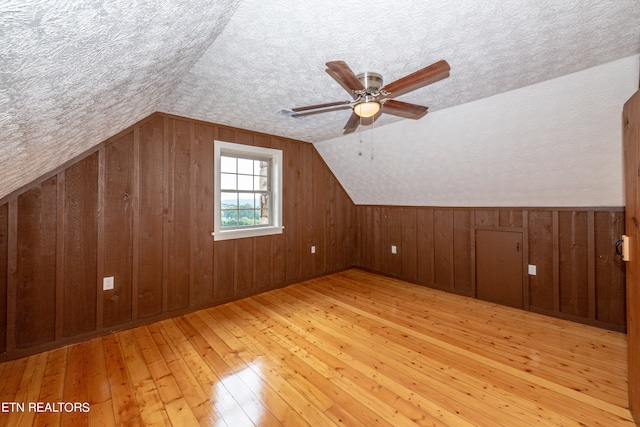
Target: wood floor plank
<point>176,381</point>
<point>348,349</point>
<point>52,386</point>
<point>125,407</point>
<point>28,390</point>
<point>152,409</point>
<point>426,374</point>
<point>598,384</point>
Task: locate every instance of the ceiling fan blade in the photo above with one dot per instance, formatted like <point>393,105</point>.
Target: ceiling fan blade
<point>319,106</point>
<point>404,109</point>
<point>352,123</point>
<point>341,82</point>
<point>418,79</point>
<point>342,71</point>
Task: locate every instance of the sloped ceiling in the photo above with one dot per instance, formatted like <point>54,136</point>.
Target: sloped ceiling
<point>72,75</point>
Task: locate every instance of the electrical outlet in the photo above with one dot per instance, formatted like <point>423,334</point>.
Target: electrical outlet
<point>532,270</point>
<point>313,249</point>
<point>107,283</point>
<point>394,250</point>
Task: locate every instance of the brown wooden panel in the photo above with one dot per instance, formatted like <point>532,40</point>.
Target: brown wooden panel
<point>223,267</point>
<point>379,238</point>
<point>118,229</point>
<point>318,220</point>
<point>225,134</point>
<point>80,247</point>
<point>610,269</point>
<point>574,286</point>
<point>177,227</point>
<point>631,150</point>
<point>462,250</point>
<point>510,218</point>
<point>344,227</point>
<point>4,271</point>
<point>409,245</point>
<point>443,245</point>
<point>541,255</point>
<point>36,265</point>
<point>245,137</point>
<point>279,261</point>
<point>485,218</point>
<point>393,236</point>
<point>331,240</point>
<point>201,239</point>
<point>262,262</point>
<point>291,215</point>
<point>150,195</point>
<point>306,213</point>
<point>426,246</point>
<point>243,266</point>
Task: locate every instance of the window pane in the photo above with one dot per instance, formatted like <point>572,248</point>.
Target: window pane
<point>264,216</point>
<point>260,183</point>
<point>245,182</point>
<point>229,218</point>
<point>228,200</point>
<point>228,181</point>
<point>245,166</point>
<point>262,167</point>
<point>228,164</point>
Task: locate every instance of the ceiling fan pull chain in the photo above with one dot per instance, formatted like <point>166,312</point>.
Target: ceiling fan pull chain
<point>373,125</point>
<point>360,136</point>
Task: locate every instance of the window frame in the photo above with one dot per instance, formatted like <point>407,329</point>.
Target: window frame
<point>275,157</point>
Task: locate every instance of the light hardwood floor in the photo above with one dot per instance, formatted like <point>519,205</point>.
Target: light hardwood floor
<point>352,349</point>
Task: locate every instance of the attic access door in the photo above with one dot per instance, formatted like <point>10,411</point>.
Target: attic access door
<point>499,267</point>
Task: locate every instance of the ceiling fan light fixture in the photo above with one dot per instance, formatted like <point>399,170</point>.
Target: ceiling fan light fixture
<point>367,108</point>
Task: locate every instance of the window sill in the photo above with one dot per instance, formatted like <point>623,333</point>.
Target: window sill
<point>246,232</point>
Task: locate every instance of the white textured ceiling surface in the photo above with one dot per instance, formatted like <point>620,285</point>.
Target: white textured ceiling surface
<point>74,73</point>
<point>271,55</point>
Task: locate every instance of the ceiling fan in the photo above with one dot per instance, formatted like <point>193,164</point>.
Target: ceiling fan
<point>371,98</point>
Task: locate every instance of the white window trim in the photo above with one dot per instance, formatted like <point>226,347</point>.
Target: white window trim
<point>240,150</point>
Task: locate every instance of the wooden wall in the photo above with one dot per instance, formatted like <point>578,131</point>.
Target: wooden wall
<point>579,276</point>
<point>140,208</point>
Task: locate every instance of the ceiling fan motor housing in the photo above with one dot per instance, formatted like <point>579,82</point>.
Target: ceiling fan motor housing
<point>371,81</point>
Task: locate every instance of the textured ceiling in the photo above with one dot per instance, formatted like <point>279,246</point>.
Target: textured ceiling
<point>74,73</point>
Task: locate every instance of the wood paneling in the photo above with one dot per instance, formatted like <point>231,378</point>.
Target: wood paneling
<point>140,208</point>
<point>444,241</point>
<point>177,223</point>
<point>578,275</point>
<point>425,246</point>
<point>631,156</point>
<point>80,267</point>
<point>4,271</point>
<point>202,215</point>
<point>609,269</point>
<point>462,250</point>
<point>36,265</point>
<point>118,229</point>
<point>541,249</point>
<point>150,217</point>
<point>573,263</point>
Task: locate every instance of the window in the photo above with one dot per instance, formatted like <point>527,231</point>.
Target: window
<point>248,191</point>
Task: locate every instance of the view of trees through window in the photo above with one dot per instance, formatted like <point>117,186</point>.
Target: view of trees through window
<point>244,192</point>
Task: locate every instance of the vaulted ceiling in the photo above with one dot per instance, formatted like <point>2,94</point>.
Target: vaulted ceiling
<point>74,73</point>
